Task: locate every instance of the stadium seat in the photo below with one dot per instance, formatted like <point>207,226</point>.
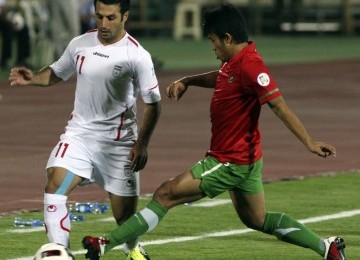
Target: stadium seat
<point>188,15</point>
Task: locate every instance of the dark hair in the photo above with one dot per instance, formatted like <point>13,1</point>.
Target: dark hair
<point>225,18</point>
<point>124,4</point>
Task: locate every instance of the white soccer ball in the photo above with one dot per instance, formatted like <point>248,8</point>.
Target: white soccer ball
<point>53,251</point>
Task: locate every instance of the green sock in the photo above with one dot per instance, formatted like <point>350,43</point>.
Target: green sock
<point>137,225</point>
<point>289,230</point>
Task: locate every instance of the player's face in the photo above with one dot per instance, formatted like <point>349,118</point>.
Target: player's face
<point>110,22</point>
<point>219,47</point>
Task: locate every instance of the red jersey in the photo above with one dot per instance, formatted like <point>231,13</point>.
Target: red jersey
<point>242,87</point>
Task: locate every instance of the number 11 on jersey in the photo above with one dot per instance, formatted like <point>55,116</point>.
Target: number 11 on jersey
<point>82,58</point>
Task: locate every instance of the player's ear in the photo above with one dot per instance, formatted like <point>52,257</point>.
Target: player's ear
<point>228,38</point>
<point>125,16</point>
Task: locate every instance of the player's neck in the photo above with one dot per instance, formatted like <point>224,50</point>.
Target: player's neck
<point>114,40</point>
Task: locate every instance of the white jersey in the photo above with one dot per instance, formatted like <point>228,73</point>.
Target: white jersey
<point>109,79</point>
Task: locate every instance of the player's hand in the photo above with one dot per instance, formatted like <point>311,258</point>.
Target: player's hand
<point>20,76</point>
<point>138,157</point>
<point>323,149</point>
<point>175,90</point>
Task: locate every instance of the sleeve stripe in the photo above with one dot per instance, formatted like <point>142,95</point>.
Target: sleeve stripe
<point>269,93</point>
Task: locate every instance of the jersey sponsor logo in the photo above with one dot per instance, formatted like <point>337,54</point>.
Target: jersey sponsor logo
<point>116,71</point>
<point>101,55</point>
<point>263,79</point>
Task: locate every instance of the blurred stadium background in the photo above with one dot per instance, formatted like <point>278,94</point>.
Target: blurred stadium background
<point>167,19</point>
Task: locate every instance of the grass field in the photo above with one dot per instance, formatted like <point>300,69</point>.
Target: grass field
<point>214,231</point>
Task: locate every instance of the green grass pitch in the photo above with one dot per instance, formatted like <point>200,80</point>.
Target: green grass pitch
<point>214,232</point>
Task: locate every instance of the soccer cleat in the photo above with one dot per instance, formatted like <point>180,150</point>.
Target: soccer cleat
<point>95,247</point>
<point>334,248</point>
<point>138,253</point>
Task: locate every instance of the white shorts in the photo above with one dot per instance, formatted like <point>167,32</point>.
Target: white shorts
<point>104,162</point>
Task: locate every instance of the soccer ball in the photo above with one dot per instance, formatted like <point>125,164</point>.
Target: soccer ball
<point>53,251</point>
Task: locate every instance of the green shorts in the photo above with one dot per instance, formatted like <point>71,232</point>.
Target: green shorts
<point>216,177</point>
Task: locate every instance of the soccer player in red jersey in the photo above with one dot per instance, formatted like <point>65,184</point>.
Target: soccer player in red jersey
<point>234,161</point>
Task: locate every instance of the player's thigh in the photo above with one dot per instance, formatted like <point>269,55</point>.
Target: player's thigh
<point>69,161</point>
<point>250,208</point>
<point>248,195</point>
<point>112,172</point>
<point>179,190</point>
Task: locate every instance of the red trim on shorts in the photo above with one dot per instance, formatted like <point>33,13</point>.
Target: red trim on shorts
<point>119,128</point>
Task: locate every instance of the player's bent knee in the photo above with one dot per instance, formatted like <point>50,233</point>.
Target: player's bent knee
<point>255,226</point>
<point>59,183</point>
<point>165,195</point>
<point>253,222</point>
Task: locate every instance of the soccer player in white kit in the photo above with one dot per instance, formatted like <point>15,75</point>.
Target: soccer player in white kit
<point>101,142</point>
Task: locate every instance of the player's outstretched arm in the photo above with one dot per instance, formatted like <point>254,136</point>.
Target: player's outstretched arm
<point>24,76</point>
<point>281,109</point>
<point>176,89</point>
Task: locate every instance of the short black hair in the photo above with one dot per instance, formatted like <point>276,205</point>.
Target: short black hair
<point>124,4</point>
<point>225,18</point>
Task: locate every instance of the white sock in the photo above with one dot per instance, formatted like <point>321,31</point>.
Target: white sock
<point>57,219</point>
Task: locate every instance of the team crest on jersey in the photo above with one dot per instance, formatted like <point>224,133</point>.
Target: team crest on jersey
<point>231,78</point>
<point>116,71</point>
<point>263,79</point>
